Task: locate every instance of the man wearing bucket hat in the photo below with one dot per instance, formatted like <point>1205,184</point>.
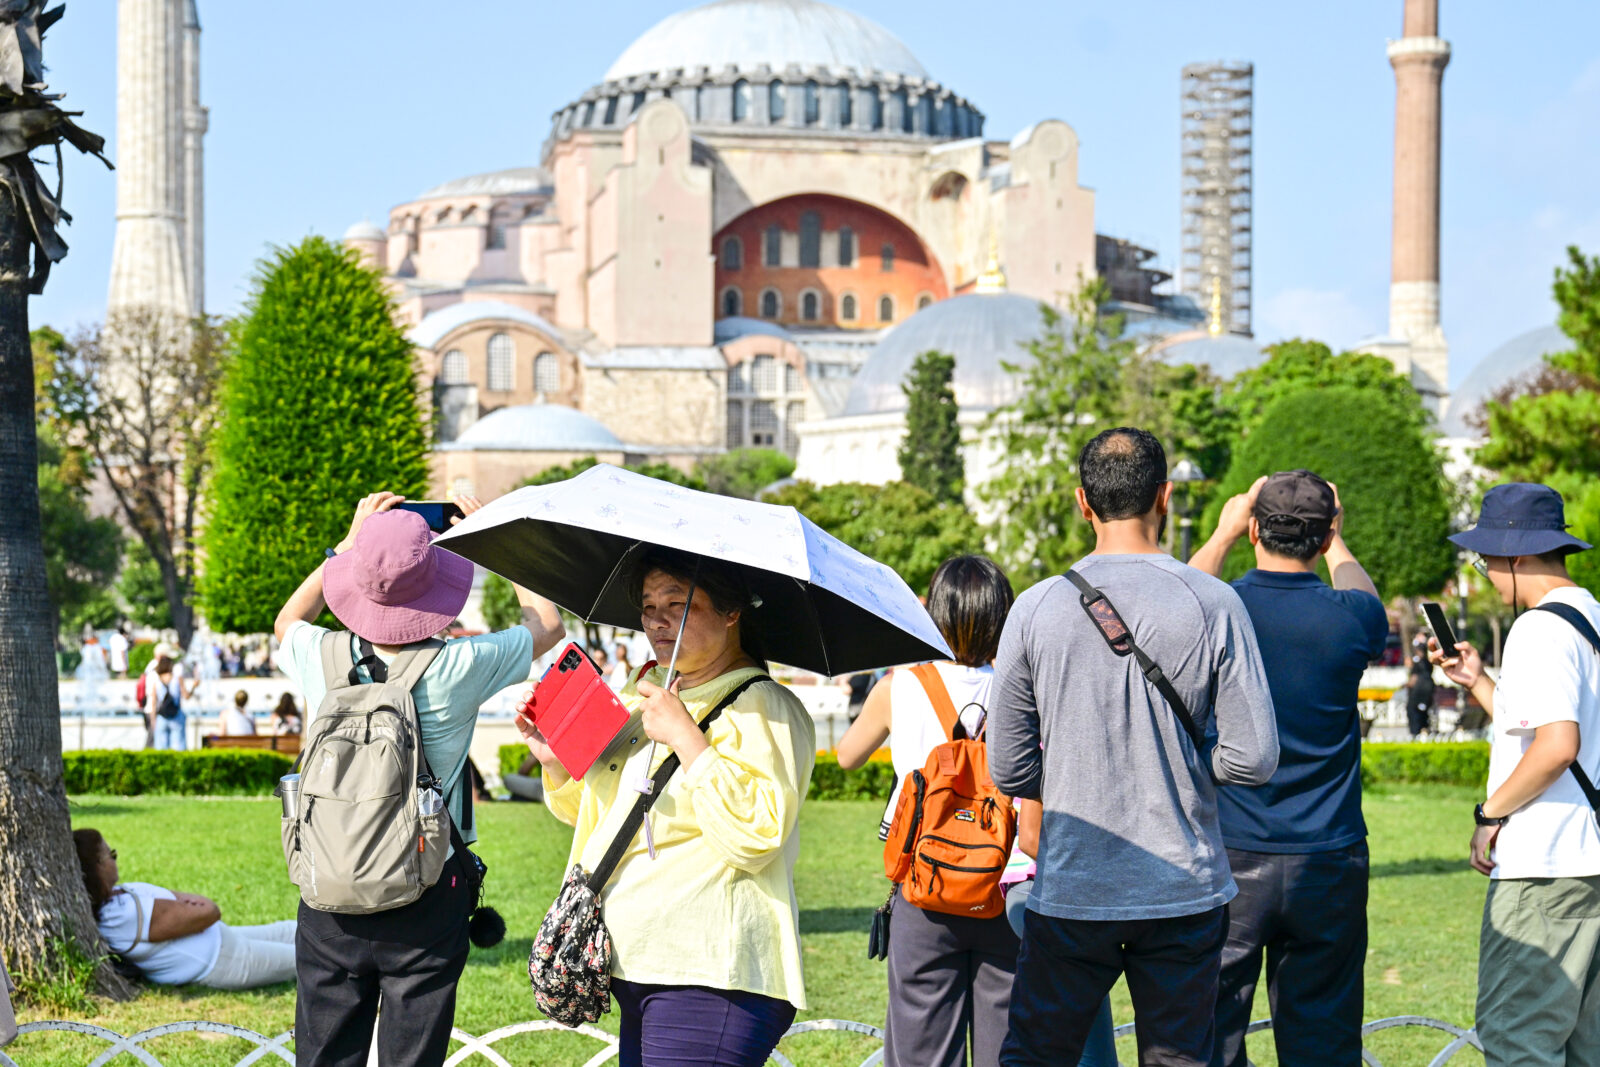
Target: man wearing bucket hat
<point>391,587</point>
<point>1538,832</point>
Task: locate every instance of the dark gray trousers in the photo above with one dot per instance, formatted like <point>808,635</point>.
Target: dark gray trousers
<point>949,979</point>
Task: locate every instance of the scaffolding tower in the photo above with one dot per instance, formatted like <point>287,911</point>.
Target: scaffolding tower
<point>1215,270</point>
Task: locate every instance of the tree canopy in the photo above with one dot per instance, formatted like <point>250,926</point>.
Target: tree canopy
<point>930,453</point>
<point>666,472</point>
<point>1390,478</point>
<point>321,407</point>
<point>744,472</point>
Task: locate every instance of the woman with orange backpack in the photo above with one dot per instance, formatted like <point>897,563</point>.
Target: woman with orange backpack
<point>948,971</point>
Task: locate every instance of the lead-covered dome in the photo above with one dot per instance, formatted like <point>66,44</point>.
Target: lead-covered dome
<point>536,428</point>
<point>1513,361</point>
<point>746,34</point>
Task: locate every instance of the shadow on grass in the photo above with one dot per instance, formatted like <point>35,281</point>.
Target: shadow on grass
<point>512,948</point>
<point>835,920</point>
<point>1425,865</point>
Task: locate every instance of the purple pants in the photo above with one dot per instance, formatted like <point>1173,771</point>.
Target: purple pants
<point>692,1026</point>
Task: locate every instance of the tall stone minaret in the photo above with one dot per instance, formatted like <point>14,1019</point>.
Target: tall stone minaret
<point>148,256</point>
<point>194,186</point>
<point>1419,58</point>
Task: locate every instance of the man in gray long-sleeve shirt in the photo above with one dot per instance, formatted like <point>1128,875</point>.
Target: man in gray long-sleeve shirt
<point>1133,875</point>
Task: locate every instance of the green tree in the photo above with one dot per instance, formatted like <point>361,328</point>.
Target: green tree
<point>930,454</point>
<point>1070,390</point>
<point>744,472</point>
<point>82,552</point>
<point>321,407</point>
<point>140,590</point>
<point>1390,478</point>
<point>501,611</point>
<point>666,472</point>
<point>896,524</point>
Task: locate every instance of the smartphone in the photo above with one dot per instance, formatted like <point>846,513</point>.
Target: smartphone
<point>436,513</point>
<point>576,710</point>
<point>1441,628</point>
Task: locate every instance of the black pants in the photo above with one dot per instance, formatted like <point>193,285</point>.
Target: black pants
<point>1067,966</point>
<point>411,956</point>
<point>1307,913</point>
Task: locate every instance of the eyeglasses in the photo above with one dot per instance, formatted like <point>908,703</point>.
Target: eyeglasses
<point>1480,565</point>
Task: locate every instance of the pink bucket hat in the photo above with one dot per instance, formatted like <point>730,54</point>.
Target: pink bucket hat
<point>394,586</point>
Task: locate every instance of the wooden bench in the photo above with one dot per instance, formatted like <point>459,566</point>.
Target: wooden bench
<point>288,744</point>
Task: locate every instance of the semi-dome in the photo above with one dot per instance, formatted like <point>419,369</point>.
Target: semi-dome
<point>509,182</point>
<point>981,330</point>
<point>365,230</point>
<point>536,428</point>
<point>747,34</point>
<point>1226,354</point>
<point>736,326</point>
<point>1517,358</point>
<point>436,325</point>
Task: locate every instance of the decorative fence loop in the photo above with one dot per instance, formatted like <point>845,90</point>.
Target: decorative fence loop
<point>474,1046</point>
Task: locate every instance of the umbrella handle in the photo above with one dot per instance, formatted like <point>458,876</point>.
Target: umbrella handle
<point>644,784</point>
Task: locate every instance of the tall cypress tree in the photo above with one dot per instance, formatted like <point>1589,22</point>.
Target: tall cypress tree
<point>930,453</point>
<point>320,407</point>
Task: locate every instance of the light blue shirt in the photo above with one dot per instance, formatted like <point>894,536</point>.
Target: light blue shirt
<point>465,674</point>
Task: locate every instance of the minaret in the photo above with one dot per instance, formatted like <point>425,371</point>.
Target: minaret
<point>147,259</point>
<point>194,174</point>
<point>1419,59</point>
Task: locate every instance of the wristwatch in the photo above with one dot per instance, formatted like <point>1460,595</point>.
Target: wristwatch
<point>1484,820</point>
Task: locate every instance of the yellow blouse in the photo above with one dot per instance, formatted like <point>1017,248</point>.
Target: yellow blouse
<point>716,907</point>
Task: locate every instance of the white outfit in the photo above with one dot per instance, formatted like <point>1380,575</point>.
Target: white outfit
<point>236,722</point>
<point>914,729</point>
<point>618,676</point>
<point>117,645</point>
<point>1549,673</point>
<point>220,956</point>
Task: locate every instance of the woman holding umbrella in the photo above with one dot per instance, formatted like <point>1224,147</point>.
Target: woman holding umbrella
<point>701,910</point>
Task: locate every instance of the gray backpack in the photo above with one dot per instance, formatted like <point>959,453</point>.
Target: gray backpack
<point>363,838</point>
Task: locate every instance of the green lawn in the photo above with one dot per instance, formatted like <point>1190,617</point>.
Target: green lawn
<point>1424,914</point>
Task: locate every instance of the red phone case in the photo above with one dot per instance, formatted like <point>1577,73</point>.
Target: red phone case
<point>576,710</point>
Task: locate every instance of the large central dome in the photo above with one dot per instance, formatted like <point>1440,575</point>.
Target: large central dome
<point>749,33</point>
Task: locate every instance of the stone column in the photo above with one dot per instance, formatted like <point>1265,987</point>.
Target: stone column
<point>195,121</point>
<point>1419,59</point>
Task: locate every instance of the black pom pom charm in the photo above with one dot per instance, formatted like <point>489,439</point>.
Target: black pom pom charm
<point>486,928</point>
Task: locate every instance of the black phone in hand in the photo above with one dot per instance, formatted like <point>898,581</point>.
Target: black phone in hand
<point>1441,628</point>
<point>436,513</point>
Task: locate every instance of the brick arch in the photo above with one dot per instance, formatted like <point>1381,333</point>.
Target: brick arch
<point>915,270</point>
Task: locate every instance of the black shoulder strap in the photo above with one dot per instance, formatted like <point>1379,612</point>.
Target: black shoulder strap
<point>630,826</point>
<point>1120,637</point>
<point>1581,623</point>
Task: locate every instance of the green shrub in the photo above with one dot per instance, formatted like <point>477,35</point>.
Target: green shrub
<point>1443,763</point>
<point>873,781</point>
<point>511,757</point>
<point>123,772</point>
<point>139,657</point>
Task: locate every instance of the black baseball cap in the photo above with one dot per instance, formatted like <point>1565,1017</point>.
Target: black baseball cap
<point>1296,504</point>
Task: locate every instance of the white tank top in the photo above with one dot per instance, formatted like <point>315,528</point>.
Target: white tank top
<point>914,728</point>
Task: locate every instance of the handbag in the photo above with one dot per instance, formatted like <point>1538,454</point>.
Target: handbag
<point>569,966</point>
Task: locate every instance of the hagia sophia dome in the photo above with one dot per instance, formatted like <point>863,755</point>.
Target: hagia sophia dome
<point>1517,359</point>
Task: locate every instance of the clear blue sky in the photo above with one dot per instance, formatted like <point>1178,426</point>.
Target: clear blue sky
<point>325,113</point>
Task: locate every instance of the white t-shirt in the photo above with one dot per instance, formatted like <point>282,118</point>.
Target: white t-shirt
<point>118,647</point>
<point>236,722</point>
<point>1550,673</point>
<point>914,729</point>
<point>126,928</point>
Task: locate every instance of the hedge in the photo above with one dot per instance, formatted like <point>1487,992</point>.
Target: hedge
<point>1442,763</point>
<point>829,781</point>
<point>122,772</point>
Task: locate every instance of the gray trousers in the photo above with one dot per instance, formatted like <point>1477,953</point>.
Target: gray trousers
<point>949,979</point>
<point>1539,973</point>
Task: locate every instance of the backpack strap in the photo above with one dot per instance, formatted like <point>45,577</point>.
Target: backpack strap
<point>939,697</point>
<point>630,826</point>
<point>1581,623</point>
<point>414,662</point>
<point>1119,635</point>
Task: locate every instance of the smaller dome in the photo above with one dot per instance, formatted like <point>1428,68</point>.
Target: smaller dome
<point>436,324</point>
<point>1515,359</point>
<point>495,183</point>
<point>364,231</point>
<point>1226,354</point>
<point>736,326</point>
<point>536,428</point>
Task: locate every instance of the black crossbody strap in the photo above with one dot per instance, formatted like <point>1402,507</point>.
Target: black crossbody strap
<point>1579,622</point>
<point>630,826</point>
<point>1119,636</point>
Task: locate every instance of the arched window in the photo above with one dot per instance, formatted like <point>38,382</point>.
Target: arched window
<point>886,308</point>
<point>497,233</point>
<point>741,100</point>
<point>875,115</point>
<point>702,102</point>
<point>813,104</point>
<point>847,307</point>
<point>847,247</point>
<point>469,213</point>
<point>732,254</point>
<point>771,304</point>
<point>453,368</point>
<point>501,354</point>
<point>924,114</point>
<point>546,373</point>
<point>638,102</point>
<point>588,113</point>
<point>810,239</point>
<point>764,375</point>
<point>735,436</point>
<point>611,110</point>
<point>845,110</point>
<point>924,300</point>
<point>774,245</point>
<point>791,378</point>
<point>903,106</point>
<point>886,257</point>
<point>810,306</point>
<point>732,303</point>
<point>776,94</point>
<point>737,383</point>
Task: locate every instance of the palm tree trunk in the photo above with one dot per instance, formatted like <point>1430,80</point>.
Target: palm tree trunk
<point>42,899</point>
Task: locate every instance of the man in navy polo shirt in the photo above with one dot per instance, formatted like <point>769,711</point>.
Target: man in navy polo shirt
<point>1297,844</point>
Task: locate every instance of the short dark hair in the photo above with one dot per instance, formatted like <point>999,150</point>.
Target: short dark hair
<point>1303,547</point>
<point>1122,471</point>
<point>723,583</point>
<point>88,844</point>
<point>969,599</point>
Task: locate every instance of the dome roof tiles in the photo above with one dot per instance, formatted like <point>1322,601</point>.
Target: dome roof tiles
<point>536,428</point>
<point>507,182</point>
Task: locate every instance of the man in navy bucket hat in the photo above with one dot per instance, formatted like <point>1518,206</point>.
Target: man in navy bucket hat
<point>1538,830</point>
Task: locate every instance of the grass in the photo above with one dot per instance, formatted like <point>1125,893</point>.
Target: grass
<point>1424,912</point>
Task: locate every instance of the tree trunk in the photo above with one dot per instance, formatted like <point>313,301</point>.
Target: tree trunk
<point>42,897</point>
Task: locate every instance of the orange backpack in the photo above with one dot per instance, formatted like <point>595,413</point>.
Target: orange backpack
<point>952,830</point>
